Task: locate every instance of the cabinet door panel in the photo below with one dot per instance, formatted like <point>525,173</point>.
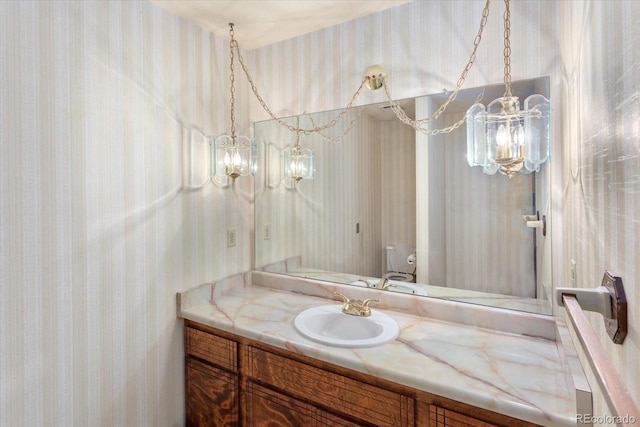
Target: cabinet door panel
<point>266,408</point>
<point>212,396</point>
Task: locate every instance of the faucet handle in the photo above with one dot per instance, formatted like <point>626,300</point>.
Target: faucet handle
<point>345,299</point>
<point>365,303</point>
<point>364,309</point>
<point>366,282</point>
<point>384,284</point>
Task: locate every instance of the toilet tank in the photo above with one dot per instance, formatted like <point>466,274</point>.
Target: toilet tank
<point>401,258</point>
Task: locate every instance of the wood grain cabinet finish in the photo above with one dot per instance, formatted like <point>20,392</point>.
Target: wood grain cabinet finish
<point>364,402</point>
<point>268,408</point>
<point>212,396</point>
<point>235,381</point>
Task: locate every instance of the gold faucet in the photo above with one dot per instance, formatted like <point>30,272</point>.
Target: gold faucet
<point>356,307</point>
<point>383,284</point>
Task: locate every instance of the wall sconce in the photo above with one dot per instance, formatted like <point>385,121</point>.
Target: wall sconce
<point>233,156</point>
<point>503,137</point>
<point>196,169</point>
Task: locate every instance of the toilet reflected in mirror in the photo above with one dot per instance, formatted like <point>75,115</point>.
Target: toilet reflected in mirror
<point>400,262</point>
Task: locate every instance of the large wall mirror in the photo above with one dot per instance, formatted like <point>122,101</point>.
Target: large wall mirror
<point>387,201</point>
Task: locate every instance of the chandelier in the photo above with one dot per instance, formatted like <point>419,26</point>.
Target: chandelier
<point>233,155</point>
<point>504,137</point>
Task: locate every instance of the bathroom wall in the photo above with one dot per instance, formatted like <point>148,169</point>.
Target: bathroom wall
<point>97,230</point>
<point>600,56</point>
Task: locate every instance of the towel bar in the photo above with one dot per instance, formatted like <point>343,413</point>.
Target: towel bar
<point>607,299</point>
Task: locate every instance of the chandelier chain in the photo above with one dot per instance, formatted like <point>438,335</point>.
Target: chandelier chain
<point>263,104</point>
<point>507,50</point>
<point>402,116</point>
<point>232,80</point>
<point>416,124</point>
<point>330,138</point>
<point>397,109</point>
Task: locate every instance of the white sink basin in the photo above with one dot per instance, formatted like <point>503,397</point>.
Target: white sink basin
<point>328,325</point>
<point>402,287</point>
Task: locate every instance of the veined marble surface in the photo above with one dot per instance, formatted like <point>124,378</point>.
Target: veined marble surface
<point>522,375</point>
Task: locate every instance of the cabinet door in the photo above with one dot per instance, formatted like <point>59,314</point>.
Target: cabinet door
<point>212,396</point>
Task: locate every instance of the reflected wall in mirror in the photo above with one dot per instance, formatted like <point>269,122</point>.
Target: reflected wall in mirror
<point>381,187</point>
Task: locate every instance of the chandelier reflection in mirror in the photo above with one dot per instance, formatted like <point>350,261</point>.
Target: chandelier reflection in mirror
<point>503,137</point>
<point>297,162</point>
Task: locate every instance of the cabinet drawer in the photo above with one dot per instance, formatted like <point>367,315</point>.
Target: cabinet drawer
<point>266,407</point>
<point>363,401</point>
<point>212,348</point>
<point>441,417</point>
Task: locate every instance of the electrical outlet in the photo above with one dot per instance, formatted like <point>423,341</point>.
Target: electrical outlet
<point>267,231</point>
<point>574,278</point>
<point>231,237</point>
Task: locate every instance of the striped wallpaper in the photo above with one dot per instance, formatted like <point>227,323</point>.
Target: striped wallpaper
<point>97,231</point>
<point>600,46</point>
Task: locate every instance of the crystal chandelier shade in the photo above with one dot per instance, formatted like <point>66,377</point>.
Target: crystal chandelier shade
<point>505,138</point>
<point>233,156</point>
<point>298,163</point>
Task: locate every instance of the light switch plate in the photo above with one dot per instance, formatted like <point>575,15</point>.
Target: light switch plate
<point>231,237</point>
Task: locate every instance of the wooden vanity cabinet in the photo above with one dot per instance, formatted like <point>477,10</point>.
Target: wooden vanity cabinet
<point>234,381</point>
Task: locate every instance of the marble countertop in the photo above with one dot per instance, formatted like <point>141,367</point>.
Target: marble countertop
<point>519,373</point>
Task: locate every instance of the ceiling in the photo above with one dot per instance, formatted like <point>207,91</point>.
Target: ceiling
<point>263,22</point>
